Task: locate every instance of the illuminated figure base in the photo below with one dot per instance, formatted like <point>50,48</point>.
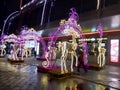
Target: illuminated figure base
<point>94,67</point>
<point>63,50</point>
<point>1,56</point>
<point>15,61</point>
<point>55,72</point>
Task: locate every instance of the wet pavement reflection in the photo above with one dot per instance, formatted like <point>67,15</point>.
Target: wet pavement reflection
<point>22,76</point>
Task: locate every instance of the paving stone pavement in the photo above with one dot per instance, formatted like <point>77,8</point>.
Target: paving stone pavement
<point>24,76</point>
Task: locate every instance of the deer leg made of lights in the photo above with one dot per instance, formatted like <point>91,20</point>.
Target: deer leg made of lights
<point>65,52</point>
<point>22,54</point>
<point>14,54</point>
<point>29,51</point>
<point>63,58</point>
<point>3,51</point>
<point>25,51</point>
<point>103,50</point>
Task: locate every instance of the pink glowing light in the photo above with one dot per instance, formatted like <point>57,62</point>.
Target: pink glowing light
<point>69,25</point>
<point>100,30</point>
<point>31,34</point>
<point>11,38</point>
<point>114,53</point>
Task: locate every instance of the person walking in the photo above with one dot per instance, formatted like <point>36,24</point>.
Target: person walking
<point>81,62</point>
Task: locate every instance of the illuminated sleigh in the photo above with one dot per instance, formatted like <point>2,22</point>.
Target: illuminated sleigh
<point>2,47</point>
<point>29,36</point>
<point>13,40</point>
<point>69,27</point>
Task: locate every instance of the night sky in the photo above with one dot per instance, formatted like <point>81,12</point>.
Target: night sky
<point>31,18</point>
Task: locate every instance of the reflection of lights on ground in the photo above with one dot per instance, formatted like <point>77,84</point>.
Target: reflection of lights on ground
<point>99,87</point>
<point>44,80</point>
<point>100,77</point>
<point>115,84</point>
<point>113,79</point>
<point>115,73</point>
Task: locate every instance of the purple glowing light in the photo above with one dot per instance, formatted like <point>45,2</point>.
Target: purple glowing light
<point>100,30</point>
<point>71,23</point>
<point>73,14</point>
<point>31,34</point>
<point>11,38</point>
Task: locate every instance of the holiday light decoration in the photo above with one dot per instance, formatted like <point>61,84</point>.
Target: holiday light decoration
<point>31,35</point>
<point>68,27</point>
<point>100,30</point>
<point>14,52</point>
<point>3,51</point>
<point>101,50</point>
<point>12,38</point>
<point>114,50</point>
<point>98,4</point>
<point>101,54</point>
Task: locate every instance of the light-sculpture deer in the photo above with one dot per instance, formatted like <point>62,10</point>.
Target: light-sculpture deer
<point>14,52</point>
<point>101,54</point>
<point>101,50</point>
<point>68,48</point>
<point>3,51</point>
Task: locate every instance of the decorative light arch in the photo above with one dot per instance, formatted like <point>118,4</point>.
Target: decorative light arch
<point>31,34</point>
<point>71,27</point>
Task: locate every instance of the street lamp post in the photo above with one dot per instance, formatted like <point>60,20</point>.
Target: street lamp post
<point>43,12</point>
<point>5,21</point>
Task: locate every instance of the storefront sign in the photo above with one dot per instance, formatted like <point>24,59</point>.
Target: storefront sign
<point>114,50</point>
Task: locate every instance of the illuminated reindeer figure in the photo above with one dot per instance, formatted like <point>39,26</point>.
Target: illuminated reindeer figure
<point>68,48</point>
<point>3,51</point>
<point>23,51</point>
<point>101,51</point>
<point>14,52</point>
<point>101,54</point>
<point>69,27</point>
